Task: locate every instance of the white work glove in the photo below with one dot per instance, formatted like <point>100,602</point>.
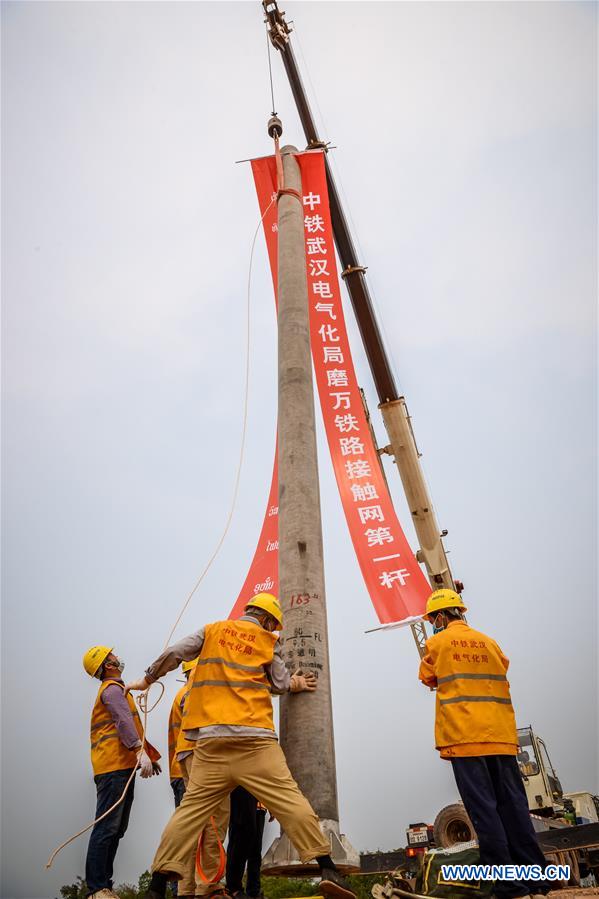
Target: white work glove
<point>301,683</point>
<point>144,763</point>
<point>137,685</point>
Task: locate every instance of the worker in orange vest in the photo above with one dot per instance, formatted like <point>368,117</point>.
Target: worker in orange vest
<point>116,751</point>
<point>174,728</point>
<point>180,760</point>
<point>229,715</point>
<point>475,729</point>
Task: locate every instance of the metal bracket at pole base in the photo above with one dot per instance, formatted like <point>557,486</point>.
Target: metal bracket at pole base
<point>282,857</point>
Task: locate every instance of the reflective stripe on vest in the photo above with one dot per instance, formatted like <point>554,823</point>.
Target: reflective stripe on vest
<point>229,664</point>
<point>233,684</point>
<point>465,675</point>
<point>231,674</point>
<point>475,699</point>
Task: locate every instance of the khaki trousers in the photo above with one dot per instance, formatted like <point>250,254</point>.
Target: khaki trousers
<point>190,884</point>
<point>219,765</point>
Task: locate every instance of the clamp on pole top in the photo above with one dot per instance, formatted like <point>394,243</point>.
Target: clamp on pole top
<point>275,130</point>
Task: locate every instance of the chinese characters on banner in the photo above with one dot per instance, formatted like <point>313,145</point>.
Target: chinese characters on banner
<point>396,584</point>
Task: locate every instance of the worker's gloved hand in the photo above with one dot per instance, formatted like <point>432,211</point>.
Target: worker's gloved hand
<point>144,763</point>
<point>302,682</point>
<point>156,768</point>
<point>137,685</point>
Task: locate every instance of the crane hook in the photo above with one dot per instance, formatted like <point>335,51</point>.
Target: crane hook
<point>274,127</point>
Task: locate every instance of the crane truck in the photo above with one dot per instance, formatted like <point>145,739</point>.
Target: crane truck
<point>567,824</point>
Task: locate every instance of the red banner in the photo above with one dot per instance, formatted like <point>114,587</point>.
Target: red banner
<point>263,575</point>
<point>396,584</point>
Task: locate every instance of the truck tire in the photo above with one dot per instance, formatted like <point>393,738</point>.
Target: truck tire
<point>452,825</point>
<point>558,858</point>
<point>572,860</point>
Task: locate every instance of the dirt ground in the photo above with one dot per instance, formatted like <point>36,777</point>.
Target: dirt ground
<point>582,892</point>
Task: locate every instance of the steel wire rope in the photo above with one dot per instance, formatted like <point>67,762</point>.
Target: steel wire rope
<point>272,90</point>
<point>142,699</point>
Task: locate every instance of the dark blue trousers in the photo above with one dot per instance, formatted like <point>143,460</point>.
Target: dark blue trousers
<point>493,793</point>
<point>246,828</point>
<point>105,837</point>
<point>178,788</point>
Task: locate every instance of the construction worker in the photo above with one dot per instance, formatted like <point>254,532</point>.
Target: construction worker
<point>229,715</point>
<point>475,729</point>
<point>174,766</point>
<point>174,727</point>
<point>181,753</point>
<point>246,829</point>
<point>116,751</point>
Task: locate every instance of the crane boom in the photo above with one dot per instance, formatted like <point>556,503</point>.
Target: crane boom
<point>393,406</point>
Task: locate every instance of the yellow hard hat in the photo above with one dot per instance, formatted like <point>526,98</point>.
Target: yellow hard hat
<point>188,666</point>
<point>444,599</point>
<point>268,603</point>
<point>94,657</point>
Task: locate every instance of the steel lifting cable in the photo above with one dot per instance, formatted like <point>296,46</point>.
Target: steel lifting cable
<point>272,90</point>
<point>142,699</point>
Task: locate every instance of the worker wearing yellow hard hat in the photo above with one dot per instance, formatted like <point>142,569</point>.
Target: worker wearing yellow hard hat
<point>116,751</point>
<point>475,729</point>
<point>229,716</point>
<point>174,727</point>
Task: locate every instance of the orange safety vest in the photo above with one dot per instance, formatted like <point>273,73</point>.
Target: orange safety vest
<point>177,741</point>
<point>229,682</point>
<point>474,713</point>
<point>107,751</point>
<point>174,726</point>
<point>183,744</point>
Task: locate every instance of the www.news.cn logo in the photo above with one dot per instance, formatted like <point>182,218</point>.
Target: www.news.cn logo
<point>453,873</point>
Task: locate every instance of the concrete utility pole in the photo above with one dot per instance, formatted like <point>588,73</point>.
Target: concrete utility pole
<point>306,720</point>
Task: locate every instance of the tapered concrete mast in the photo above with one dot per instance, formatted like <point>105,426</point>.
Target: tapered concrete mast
<point>306,720</point>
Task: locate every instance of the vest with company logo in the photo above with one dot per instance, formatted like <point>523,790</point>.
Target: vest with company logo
<point>474,713</point>
<point>229,681</point>
<point>107,751</point>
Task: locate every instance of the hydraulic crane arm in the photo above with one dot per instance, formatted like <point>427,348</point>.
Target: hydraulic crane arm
<point>353,272</point>
<point>392,405</point>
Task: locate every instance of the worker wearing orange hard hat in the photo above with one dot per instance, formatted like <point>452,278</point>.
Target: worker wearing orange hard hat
<point>475,728</point>
<point>116,737</point>
<point>229,716</point>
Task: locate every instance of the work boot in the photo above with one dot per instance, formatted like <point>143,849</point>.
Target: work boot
<point>333,884</point>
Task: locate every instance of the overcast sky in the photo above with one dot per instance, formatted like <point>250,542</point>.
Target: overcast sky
<point>465,140</point>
